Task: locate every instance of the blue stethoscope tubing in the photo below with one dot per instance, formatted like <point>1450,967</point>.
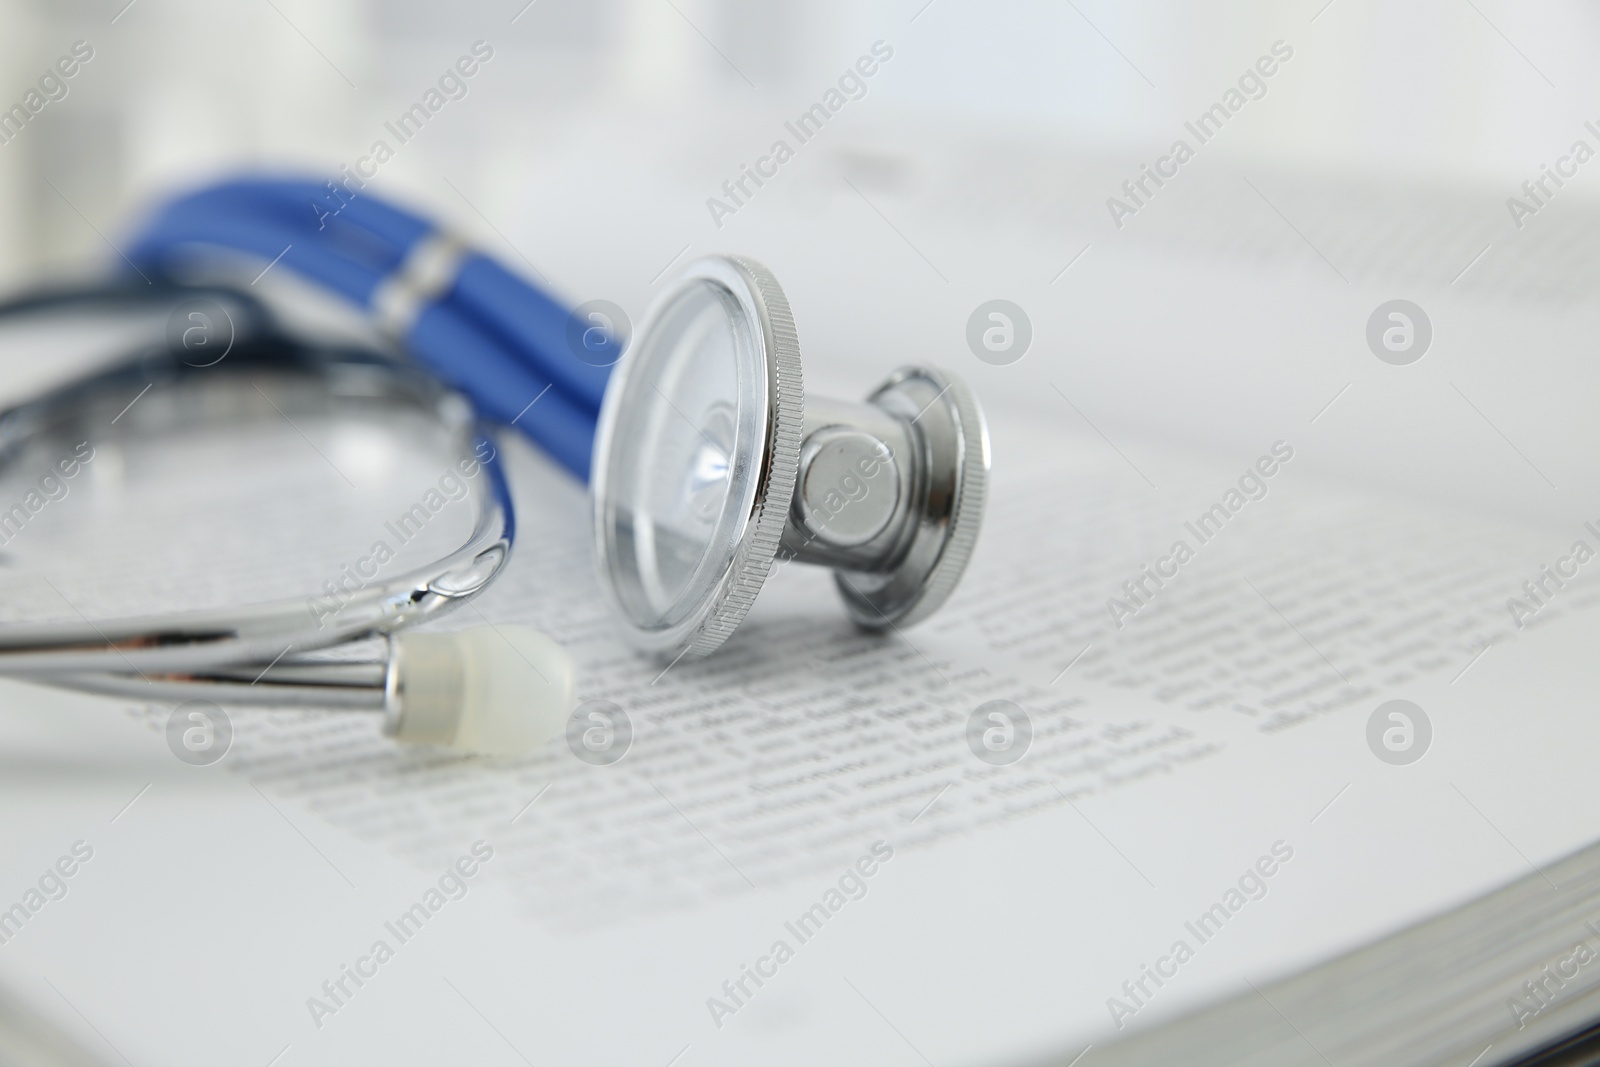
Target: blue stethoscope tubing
<point>500,340</point>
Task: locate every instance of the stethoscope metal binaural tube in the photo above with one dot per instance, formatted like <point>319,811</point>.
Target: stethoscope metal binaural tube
<point>257,654</point>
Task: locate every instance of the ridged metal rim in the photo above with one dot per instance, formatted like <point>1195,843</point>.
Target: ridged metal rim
<point>761,299</point>
<point>780,343</point>
<point>967,508</point>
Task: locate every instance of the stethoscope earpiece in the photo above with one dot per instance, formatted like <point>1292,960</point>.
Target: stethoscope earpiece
<point>486,690</point>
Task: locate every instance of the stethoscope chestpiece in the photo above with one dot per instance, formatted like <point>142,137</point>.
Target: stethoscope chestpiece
<point>711,465</point>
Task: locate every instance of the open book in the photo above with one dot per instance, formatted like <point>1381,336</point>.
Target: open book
<point>1147,763</point>
<point>1210,759</point>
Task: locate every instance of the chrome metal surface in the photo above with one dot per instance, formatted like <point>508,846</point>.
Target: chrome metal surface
<point>888,492</point>
<point>215,650</point>
<point>951,450</point>
<point>759,520</point>
<point>881,482</point>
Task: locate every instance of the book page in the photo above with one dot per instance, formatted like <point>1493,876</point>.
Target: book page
<point>1182,780</point>
<point>1196,771</point>
<point>805,737</point>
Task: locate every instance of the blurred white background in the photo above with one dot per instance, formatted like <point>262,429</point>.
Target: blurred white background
<point>180,90</point>
<point>978,165</point>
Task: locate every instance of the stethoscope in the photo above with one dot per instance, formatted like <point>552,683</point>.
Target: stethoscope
<point>709,465</point>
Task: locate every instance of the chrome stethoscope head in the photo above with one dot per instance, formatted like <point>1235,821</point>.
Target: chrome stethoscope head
<point>710,465</point>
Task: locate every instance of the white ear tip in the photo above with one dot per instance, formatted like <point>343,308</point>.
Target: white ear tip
<point>494,690</point>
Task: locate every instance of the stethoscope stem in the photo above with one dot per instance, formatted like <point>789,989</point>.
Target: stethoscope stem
<point>493,690</point>
<point>342,686</point>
